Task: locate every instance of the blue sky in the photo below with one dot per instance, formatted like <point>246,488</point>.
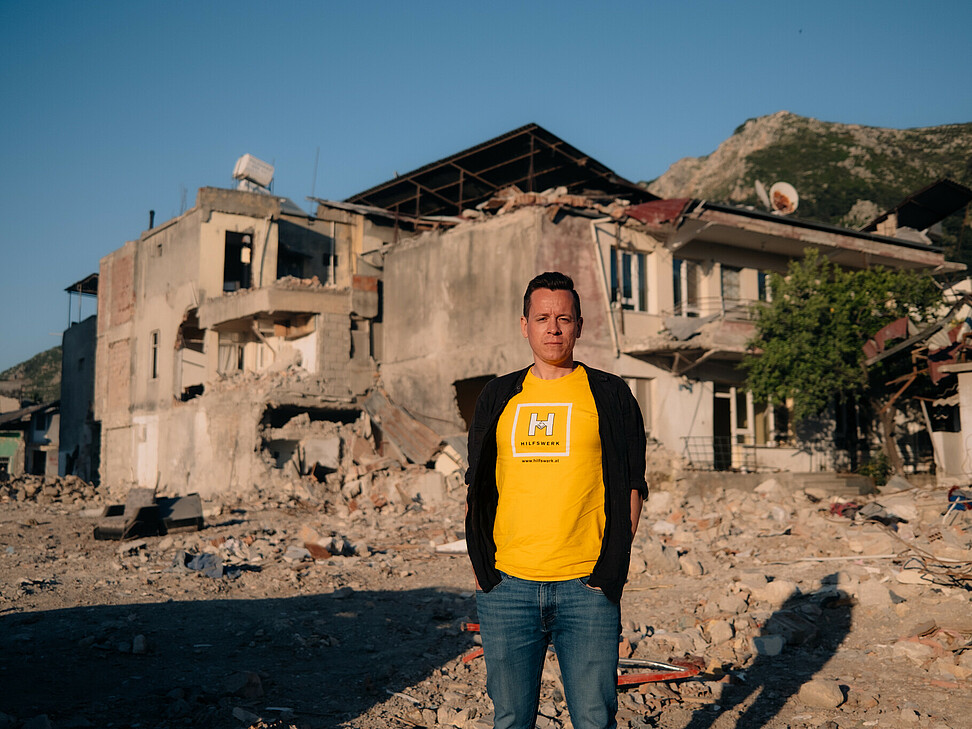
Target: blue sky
<point>110,109</point>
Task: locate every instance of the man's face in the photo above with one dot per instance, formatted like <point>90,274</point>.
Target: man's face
<point>552,326</point>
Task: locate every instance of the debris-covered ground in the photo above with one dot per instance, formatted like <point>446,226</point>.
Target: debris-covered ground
<point>308,613</point>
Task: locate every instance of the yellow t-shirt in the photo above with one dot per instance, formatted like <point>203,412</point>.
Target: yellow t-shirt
<point>550,517</point>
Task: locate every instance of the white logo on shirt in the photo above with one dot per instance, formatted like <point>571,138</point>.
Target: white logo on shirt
<point>547,424</point>
<point>545,433</point>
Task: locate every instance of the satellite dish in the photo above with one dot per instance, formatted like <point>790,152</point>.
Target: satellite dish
<point>761,194</point>
<point>783,198</point>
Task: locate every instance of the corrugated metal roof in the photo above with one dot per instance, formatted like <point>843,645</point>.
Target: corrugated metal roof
<point>657,212</point>
<point>530,157</point>
<point>87,285</point>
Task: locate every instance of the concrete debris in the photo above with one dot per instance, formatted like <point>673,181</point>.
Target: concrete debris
<point>358,582</point>
<point>207,563</point>
<point>416,440</point>
<point>512,198</point>
<point>456,547</point>
<point>144,515</point>
<point>66,490</point>
<point>821,694</point>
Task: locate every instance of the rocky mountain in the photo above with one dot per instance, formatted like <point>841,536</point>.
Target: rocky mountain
<point>38,379</point>
<point>844,173</point>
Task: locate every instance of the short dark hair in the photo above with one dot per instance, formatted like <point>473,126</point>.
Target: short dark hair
<point>555,281</point>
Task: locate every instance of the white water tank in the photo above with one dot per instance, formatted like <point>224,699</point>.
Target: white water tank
<point>255,170</point>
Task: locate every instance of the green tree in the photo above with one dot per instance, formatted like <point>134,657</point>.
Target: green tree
<point>809,338</point>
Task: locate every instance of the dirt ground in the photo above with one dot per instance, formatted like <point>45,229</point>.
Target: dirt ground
<point>800,617</point>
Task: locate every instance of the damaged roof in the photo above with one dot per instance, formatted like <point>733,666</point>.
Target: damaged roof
<point>24,414</point>
<point>702,222</point>
<point>87,285</point>
<point>530,158</point>
<point>924,208</point>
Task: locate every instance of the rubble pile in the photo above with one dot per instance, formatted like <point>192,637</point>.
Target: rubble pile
<point>352,472</point>
<point>512,198</point>
<point>802,608</point>
<point>49,490</point>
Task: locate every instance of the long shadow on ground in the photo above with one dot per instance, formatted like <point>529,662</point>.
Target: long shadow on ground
<point>813,627</point>
<point>328,659</point>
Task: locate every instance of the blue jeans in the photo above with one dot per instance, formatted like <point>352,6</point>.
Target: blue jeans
<point>519,618</point>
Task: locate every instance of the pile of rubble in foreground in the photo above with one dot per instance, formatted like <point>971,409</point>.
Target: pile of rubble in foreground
<point>802,608</point>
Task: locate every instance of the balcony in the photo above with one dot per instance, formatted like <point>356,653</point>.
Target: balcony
<point>704,328</point>
<point>249,303</point>
<point>732,309</point>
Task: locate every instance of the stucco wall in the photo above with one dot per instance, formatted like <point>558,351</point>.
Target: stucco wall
<point>453,302</point>
<point>211,444</point>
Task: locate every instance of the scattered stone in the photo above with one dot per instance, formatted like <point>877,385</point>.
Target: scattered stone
<point>659,503</point>
<point>297,554</point>
<point>821,694</point>
<point>873,594</point>
<point>719,631</point>
<point>663,528</point>
<point>660,559</point>
<point>777,592</point>
<point>690,566</point>
<point>770,487</point>
<point>732,603</point>
<point>917,653</point>
<point>769,645</point>
<point>909,716</point>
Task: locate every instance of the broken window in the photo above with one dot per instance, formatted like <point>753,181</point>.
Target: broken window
<point>685,287</point>
<point>154,356</point>
<point>467,393</point>
<point>629,279</point>
<point>190,358</point>
<point>304,253</point>
<point>290,262</point>
<point>237,257</point>
<point>230,352</point>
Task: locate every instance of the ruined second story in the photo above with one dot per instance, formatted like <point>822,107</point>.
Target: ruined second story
<point>244,282</point>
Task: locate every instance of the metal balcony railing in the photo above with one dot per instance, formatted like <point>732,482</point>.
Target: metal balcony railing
<point>737,309</point>
<point>713,452</point>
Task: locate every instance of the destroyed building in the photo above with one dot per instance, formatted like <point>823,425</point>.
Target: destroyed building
<point>227,333</point>
<point>667,287</point>
<point>221,325</point>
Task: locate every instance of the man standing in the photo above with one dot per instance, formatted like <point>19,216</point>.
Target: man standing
<point>556,481</point>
